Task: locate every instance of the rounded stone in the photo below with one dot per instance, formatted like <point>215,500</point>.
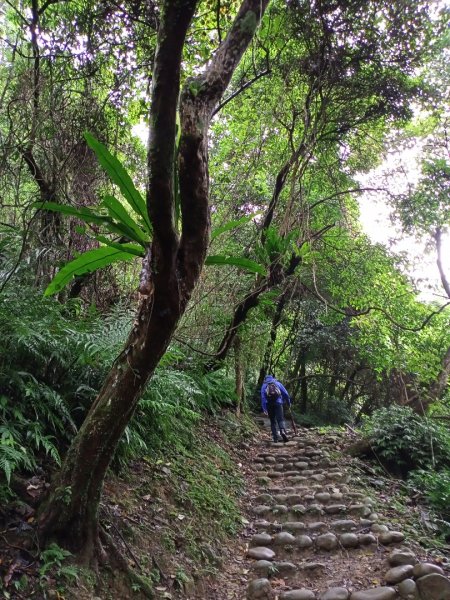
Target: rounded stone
<point>343,525</point>
<point>333,509</point>
<point>283,539</point>
<point>323,497</point>
<point>327,541</point>
<point>262,568</point>
<point>298,509</point>
<point>261,510</point>
<point>434,587</point>
<point>379,593</point>
<point>365,539</point>
<point>365,523</point>
<point>402,557</point>
<point>317,526</point>
<point>261,553</point>
<point>297,595</point>
<point>264,499</point>
<point>361,510</point>
<point>336,496</point>
<point>281,498</point>
<point>301,465</point>
<point>391,537</point>
<point>261,539</point>
<point>423,569</point>
<point>280,509</point>
<point>335,593</point>
<point>349,540</point>
<point>356,508</point>
<point>377,528</point>
<point>303,541</point>
<point>408,589</point>
<point>270,459</point>
<point>293,499</point>
<point>336,475</point>
<point>259,589</point>
<point>397,574</point>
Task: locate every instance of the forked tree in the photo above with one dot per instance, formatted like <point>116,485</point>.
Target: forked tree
<point>170,269</point>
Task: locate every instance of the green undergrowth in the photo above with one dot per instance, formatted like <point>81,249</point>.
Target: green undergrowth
<point>417,450</point>
<point>176,461</point>
<point>53,360</point>
<point>180,506</point>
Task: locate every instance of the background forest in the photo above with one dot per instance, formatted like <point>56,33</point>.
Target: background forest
<point>325,92</point>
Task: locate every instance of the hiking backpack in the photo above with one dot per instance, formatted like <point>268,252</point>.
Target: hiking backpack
<point>272,391</point>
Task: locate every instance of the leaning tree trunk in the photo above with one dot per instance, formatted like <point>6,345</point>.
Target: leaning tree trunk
<point>170,271</point>
<point>239,374</point>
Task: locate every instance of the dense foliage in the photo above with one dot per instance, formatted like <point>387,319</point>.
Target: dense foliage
<point>93,246</point>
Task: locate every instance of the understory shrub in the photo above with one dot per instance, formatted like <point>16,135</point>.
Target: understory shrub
<point>53,360</point>
<point>172,404</point>
<point>406,441</point>
<point>435,486</point>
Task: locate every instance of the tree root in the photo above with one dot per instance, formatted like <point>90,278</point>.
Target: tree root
<point>115,558</point>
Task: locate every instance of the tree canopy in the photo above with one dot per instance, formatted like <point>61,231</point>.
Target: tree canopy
<point>232,240</point>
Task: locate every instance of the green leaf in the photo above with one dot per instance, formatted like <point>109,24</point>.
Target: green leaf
<point>88,216</point>
<point>131,248</point>
<point>120,177</point>
<point>118,212</point>
<point>87,263</point>
<point>232,225</point>
<point>244,263</point>
<point>84,214</point>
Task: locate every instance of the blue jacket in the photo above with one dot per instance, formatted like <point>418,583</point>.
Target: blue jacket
<point>280,399</point>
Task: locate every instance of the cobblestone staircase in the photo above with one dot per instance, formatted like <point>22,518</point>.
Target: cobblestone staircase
<point>318,537</point>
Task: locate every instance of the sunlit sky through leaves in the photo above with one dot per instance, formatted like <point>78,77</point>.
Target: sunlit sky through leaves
<point>398,171</point>
<point>377,224</point>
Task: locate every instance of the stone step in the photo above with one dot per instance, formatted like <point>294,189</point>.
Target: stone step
<point>329,503</point>
<point>323,540</point>
<point>286,512</point>
<point>433,586</point>
<point>312,525</point>
<point>362,527</point>
<point>309,476</point>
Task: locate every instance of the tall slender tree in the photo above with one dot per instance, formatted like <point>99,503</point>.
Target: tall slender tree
<point>171,268</point>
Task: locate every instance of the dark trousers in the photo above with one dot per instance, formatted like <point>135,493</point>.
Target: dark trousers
<point>275,412</point>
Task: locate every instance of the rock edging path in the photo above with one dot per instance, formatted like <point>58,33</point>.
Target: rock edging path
<point>314,537</point>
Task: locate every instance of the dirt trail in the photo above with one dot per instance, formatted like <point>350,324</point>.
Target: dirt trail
<point>313,534</point>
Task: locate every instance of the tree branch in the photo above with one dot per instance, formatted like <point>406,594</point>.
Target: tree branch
<point>438,239</point>
<point>244,87</point>
<point>198,100</point>
<point>175,21</point>
<point>350,312</point>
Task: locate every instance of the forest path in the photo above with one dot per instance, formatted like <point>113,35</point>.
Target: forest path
<point>314,533</point>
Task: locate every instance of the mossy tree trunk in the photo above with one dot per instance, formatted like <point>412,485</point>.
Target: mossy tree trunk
<point>172,268</point>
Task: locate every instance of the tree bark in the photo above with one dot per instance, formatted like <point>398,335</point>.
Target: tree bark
<point>71,512</point>
<point>239,374</point>
<point>266,365</point>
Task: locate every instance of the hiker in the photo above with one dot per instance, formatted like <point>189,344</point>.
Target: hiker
<point>273,393</point>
